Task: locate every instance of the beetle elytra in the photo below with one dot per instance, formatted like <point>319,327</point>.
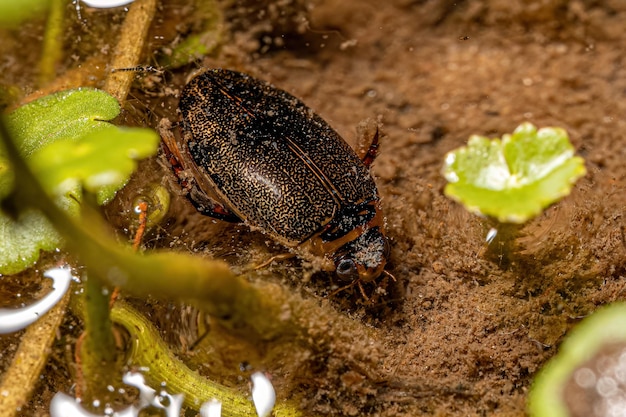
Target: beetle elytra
<point>250,152</point>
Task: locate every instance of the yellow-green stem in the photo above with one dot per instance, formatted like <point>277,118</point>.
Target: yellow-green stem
<point>150,352</point>
<point>52,43</point>
<point>97,351</point>
<point>503,249</point>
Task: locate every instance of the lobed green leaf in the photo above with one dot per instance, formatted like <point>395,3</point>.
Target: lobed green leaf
<point>100,162</point>
<point>71,147</point>
<point>516,178</point>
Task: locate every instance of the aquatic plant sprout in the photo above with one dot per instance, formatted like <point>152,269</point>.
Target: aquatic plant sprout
<point>263,395</point>
<point>72,149</point>
<point>12,320</point>
<point>514,178</point>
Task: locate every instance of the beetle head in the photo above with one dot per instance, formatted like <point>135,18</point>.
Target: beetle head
<point>364,258</point>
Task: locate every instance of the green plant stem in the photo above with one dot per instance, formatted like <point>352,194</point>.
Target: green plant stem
<point>52,42</point>
<point>128,49</point>
<point>97,351</point>
<point>20,378</point>
<point>150,352</point>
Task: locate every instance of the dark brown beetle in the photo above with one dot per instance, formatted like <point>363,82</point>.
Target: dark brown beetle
<point>252,153</point>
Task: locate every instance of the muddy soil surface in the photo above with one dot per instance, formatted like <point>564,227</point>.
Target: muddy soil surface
<point>458,333</point>
<point>465,334</point>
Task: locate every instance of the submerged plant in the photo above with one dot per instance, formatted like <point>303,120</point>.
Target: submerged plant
<point>71,148</point>
<point>205,283</point>
<point>515,178</point>
<point>54,152</point>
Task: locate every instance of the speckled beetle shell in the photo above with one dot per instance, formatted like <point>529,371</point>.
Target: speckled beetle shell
<point>253,153</point>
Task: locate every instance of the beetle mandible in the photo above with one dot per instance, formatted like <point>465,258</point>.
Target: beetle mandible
<point>249,152</point>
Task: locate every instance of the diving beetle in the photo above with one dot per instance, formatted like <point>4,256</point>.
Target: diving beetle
<point>249,152</point>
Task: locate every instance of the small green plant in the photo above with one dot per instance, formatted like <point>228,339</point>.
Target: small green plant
<point>588,375</point>
<point>513,179</point>
<point>71,148</point>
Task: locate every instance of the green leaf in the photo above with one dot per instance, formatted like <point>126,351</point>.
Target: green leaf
<point>65,115</point>
<point>23,239</point>
<point>70,147</point>
<point>515,178</point>
<point>100,162</point>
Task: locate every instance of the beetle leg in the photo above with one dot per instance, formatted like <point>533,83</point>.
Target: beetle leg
<point>367,140</point>
<point>210,208</point>
<point>390,275</point>
<point>372,151</point>
<point>169,143</point>
<point>280,257</point>
<point>355,282</point>
<point>360,284</point>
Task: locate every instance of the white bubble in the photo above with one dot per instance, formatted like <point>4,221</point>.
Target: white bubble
<point>12,320</point>
<point>263,394</point>
<point>106,4</point>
